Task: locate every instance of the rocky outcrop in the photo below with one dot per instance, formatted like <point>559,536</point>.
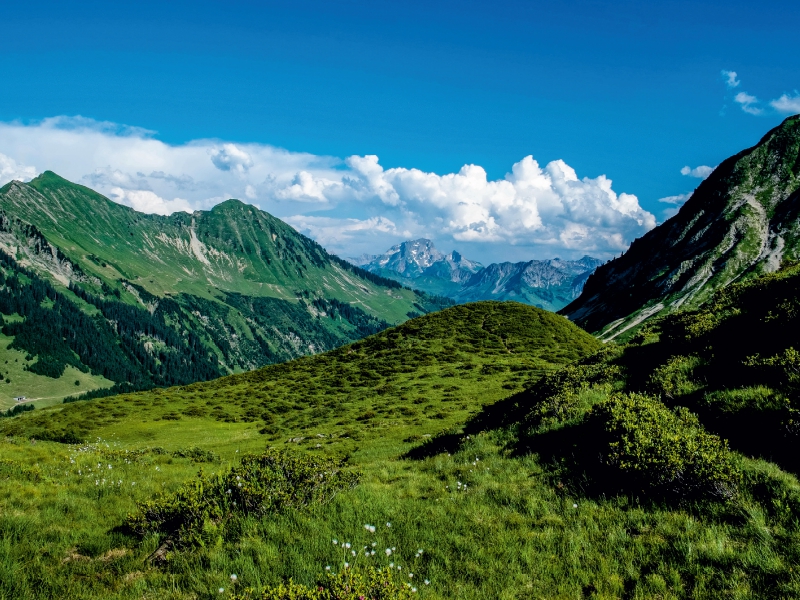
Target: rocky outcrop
<point>740,222</point>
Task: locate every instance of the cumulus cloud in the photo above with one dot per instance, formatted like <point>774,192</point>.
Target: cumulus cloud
<point>534,211</point>
<point>730,79</point>
<point>532,206</point>
<point>149,202</point>
<point>701,172</point>
<point>230,157</point>
<point>331,231</point>
<point>10,170</point>
<point>787,104</point>
<point>748,103</point>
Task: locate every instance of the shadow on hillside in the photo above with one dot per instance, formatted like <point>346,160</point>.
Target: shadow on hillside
<point>503,413</point>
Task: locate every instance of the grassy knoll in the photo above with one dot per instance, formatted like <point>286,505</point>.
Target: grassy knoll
<point>471,468</point>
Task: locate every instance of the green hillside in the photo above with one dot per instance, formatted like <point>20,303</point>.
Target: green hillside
<point>370,402</point>
<point>470,461</point>
<point>741,222</point>
<point>143,300</point>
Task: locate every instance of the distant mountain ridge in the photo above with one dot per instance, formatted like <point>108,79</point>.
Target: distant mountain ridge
<point>549,284</point>
<point>222,291</point>
<point>742,221</point>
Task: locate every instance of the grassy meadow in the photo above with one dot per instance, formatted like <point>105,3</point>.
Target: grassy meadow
<point>43,391</point>
<point>462,493</point>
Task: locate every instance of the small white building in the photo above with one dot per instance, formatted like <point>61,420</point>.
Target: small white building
<point>20,399</point>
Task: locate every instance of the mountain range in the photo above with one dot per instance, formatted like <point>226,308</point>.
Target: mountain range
<point>139,300</point>
<point>742,221</point>
<point>549,284</point>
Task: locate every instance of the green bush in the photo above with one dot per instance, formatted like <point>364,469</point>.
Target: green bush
<point>675,377</point>
<point>783,368</point>
<point>261,484</point>
<point>558,397</point>
<point>196,454</point>
<point>664,451</point>
<point>349,584</point>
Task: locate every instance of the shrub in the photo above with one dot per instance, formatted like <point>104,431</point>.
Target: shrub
<point>783,369</point>
<point>674,378</point>
<point>196,454</point>
<point>261,484</point>
<point>558,397</point>
<point>664,451</point>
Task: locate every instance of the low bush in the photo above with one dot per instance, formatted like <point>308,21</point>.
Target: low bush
<point>664,451</point>
<point>559,397</point>
<point>261,484</point>
<point>675,377</point>
<point>196,454</point>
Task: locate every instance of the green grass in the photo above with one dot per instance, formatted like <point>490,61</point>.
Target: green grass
<point>418,410</point>
<point>43,391</point>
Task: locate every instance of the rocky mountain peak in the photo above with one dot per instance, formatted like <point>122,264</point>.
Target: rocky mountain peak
<point>742,221</point>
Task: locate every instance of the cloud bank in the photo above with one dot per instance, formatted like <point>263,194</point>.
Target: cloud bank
<point>351,206</point>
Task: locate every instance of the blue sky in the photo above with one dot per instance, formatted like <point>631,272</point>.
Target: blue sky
<point>630,90</point>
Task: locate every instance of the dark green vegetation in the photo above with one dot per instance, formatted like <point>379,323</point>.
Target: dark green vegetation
<point>143,300</point>
<point>438,367</point>
<point>744,220</point>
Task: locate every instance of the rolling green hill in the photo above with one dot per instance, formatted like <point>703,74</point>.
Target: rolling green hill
<point>474,467</point>
<point>371,401</point>
<point>144,300</point>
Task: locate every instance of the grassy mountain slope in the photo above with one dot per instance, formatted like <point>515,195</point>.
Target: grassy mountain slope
<point>225,290</point>
<point>603,479</point>
<point>371,401</point>
<point>742,221</point>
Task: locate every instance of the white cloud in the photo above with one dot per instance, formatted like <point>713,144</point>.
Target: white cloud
<point>334,231</point>
<point>701,172</point>
<point>677,200</point>
<point>10,170</point>
<point>532,206</point>
<point>675,203</point>
<point>148,202</point>
<point>730,79</point>
<point>230,157</point>
<point>787,104</point>
<point>747,103</point>
<point>534,211</point>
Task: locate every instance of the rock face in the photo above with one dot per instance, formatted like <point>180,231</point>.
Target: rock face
<point>549,284</point>
<point>417,258</point>
<point>740,222</point>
